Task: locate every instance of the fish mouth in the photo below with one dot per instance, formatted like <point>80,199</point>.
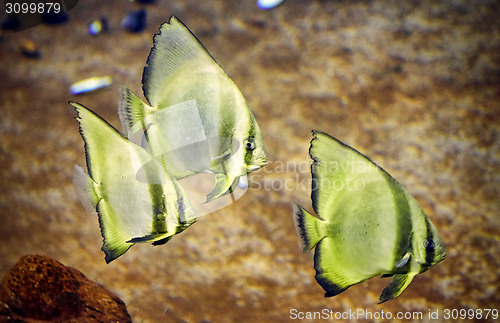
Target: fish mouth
<point>254,167</point>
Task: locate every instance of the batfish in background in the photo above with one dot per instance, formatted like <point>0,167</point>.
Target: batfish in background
<point>220,132</point>
<point>130,211</point>
<point>367,225</point>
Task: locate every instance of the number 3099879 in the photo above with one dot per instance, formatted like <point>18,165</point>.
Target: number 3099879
<point>32,7</point>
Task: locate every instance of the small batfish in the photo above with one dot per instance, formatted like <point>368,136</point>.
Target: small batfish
<point>367,225</point>
<point>149,209</point>
<point>200,102</point>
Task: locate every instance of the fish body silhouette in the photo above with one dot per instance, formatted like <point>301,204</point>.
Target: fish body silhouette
<point>367,225</point>
<point>130,210</point>
<point>181,78</point>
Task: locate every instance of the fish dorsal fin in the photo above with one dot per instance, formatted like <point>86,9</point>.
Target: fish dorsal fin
<point>175,50</point>
<point>339,172</point>
<point>398,284</point>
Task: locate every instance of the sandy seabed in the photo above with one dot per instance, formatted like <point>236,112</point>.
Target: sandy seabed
<point>416,87</point>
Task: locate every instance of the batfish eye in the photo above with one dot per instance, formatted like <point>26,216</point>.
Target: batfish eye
<point>249,144</point>
<point>428,244</point>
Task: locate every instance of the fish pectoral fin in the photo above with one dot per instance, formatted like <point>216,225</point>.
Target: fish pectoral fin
<point>396,287</point>
<point>221,158</point>
<point>223,185</point>
<point>403,261</point>
<point>84,188</point>
<point>335,275</point>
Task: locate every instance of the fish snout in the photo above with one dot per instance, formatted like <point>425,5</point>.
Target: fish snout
<point>258,163</point>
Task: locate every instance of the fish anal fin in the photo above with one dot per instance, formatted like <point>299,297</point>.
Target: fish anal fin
<point>331,289</point>
<point>307,227</point>
<point>333,273</point>
<point>115,240</point>
<point>398,284</point>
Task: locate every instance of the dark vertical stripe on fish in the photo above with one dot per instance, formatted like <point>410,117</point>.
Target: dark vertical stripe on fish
<point>429,244</point>
<point>159,224</point>
<point>403,232</point>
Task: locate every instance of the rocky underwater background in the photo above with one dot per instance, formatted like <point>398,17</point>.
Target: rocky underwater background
<point>413,85</point>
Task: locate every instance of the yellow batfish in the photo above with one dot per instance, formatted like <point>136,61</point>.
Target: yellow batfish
<point>367,225</point>
<point>195,119</point>
<point>136,200</point>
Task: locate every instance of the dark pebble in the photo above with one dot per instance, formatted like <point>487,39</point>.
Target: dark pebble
<point>52,18</point>
<point>135,21</point>
<point>98,26</point>
<point>12,22</point>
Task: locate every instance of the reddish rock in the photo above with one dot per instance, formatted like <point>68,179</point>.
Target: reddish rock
<point>42,289</point>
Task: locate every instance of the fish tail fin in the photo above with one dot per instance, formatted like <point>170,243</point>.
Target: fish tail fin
<point>83,185</point>
<point>131,109</point>
<point>307,227</point>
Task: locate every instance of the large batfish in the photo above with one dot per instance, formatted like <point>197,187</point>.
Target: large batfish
<point>195,119</point>
<point>135,198</point>
<point>367,225</point>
